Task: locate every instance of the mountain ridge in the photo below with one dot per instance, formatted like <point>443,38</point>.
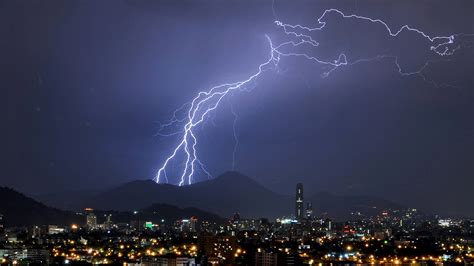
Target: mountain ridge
<point>20,210</point>
<point>222,196</point>
<point>229,193</point>
<point>14,205</point>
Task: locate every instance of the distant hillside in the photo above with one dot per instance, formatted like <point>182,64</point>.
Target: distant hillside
<point>19,210</point>
<point>65,199</point>
<point>210,200</point>
<point>225,195</point>
<point>229,193</point>
<point>174,213</point>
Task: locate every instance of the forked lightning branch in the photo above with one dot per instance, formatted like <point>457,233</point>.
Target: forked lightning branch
<point>208,101</point>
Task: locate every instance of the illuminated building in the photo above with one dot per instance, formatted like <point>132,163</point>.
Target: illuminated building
<point>149,225</point>
<point>192,224</point>
<point>188,225</point>
<point>54,229</point>
<point>34,256</point>
<point>218,246</point>
<point>34,232</point>
<point>265,258</point>
<point>179,261</point>
<point>309,210</point>
<point>108,221</point>
<point>185,225</point>
<point>91,221</point>
<point>299,201</point>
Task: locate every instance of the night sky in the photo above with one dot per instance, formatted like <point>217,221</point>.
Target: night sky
<point>84,85</point>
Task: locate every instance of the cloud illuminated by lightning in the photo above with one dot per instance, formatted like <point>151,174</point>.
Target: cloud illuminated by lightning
<point>207,101</point>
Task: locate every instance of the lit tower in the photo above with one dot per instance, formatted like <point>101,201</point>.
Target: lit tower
<point>299,201</point>
<point>91,219</point>
<point>309,210</point>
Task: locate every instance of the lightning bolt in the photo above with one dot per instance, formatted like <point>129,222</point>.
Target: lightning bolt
<point>206,101</point>
<point>444,41</point>
<point>234,131</point>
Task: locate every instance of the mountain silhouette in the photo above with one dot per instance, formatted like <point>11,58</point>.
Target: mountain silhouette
<point>65,199</point>
<point>229,193</point>
<point>20,210</point>
<point>173,213</point>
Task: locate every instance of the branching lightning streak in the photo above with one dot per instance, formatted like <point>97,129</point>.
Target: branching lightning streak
<point>444,40</point>
<point>234,131</point>
<point>206,102</point>
<point>174,119</point>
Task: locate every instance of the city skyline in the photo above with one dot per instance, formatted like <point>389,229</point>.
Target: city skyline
<point>238,132</point>
<point>84,114</point>
<point>191,237</point>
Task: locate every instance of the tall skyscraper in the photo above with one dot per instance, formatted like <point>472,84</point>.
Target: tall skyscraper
<point>299,202</point>
<point>309,210</point>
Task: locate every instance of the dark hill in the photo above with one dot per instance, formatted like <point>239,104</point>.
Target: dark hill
<point>173,213</point>
<point>229,193</point>
<point>19,210</point>
<point>65,199</point>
